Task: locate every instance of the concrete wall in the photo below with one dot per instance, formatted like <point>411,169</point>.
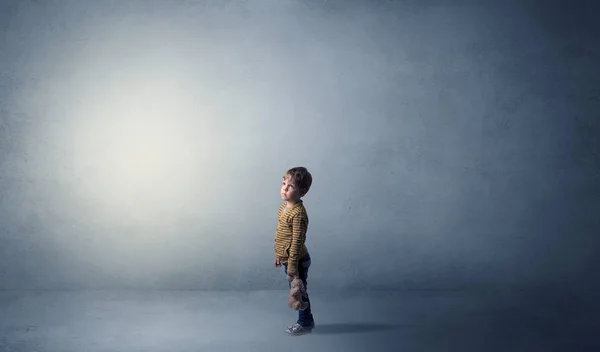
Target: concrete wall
<point>452,144</point>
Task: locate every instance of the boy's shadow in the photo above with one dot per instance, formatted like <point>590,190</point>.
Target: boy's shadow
<point>329,329</point>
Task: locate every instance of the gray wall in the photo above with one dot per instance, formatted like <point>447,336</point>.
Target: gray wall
<point>143,142</point>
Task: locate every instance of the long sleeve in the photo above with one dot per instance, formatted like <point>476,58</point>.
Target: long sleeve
<point>299,228</point>
<point>276,237</point>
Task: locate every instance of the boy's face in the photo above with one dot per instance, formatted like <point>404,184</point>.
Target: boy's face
<point>289,191</point>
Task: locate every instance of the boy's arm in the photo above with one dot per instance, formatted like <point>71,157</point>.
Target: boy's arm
<point>275,237</point>
<point>299,227</point>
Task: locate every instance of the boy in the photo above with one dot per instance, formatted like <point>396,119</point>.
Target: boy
<point>290,236</point>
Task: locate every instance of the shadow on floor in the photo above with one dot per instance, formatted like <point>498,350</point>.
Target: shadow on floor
<point>328,329</point>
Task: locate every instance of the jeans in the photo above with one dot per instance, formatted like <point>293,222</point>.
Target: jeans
<point>305,317</point>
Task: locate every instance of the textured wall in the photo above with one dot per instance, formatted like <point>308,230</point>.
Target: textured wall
<point>142,143</point>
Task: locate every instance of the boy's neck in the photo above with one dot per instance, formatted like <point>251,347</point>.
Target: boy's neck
<point>292,203</point>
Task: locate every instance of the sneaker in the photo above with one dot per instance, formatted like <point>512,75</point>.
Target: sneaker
<point>311,326</point>
<point>298,329</point>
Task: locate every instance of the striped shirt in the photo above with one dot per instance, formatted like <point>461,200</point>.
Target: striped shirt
<point>290,235</point>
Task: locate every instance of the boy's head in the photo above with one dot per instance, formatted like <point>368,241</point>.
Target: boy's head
<point>296,183</point>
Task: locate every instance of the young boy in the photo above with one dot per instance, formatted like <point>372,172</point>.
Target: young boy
<point>290,237</point>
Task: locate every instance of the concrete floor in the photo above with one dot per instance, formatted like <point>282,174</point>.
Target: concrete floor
<point>174,321</point>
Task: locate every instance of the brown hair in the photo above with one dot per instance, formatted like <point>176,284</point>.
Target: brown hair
<point>300,176</point>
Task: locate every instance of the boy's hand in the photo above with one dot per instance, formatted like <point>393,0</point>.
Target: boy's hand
<point>277,262</point>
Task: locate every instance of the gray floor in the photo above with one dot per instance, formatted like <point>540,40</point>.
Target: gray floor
<point>254,321</point>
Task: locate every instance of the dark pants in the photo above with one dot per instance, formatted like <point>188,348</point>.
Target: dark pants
<point>305,317</point>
